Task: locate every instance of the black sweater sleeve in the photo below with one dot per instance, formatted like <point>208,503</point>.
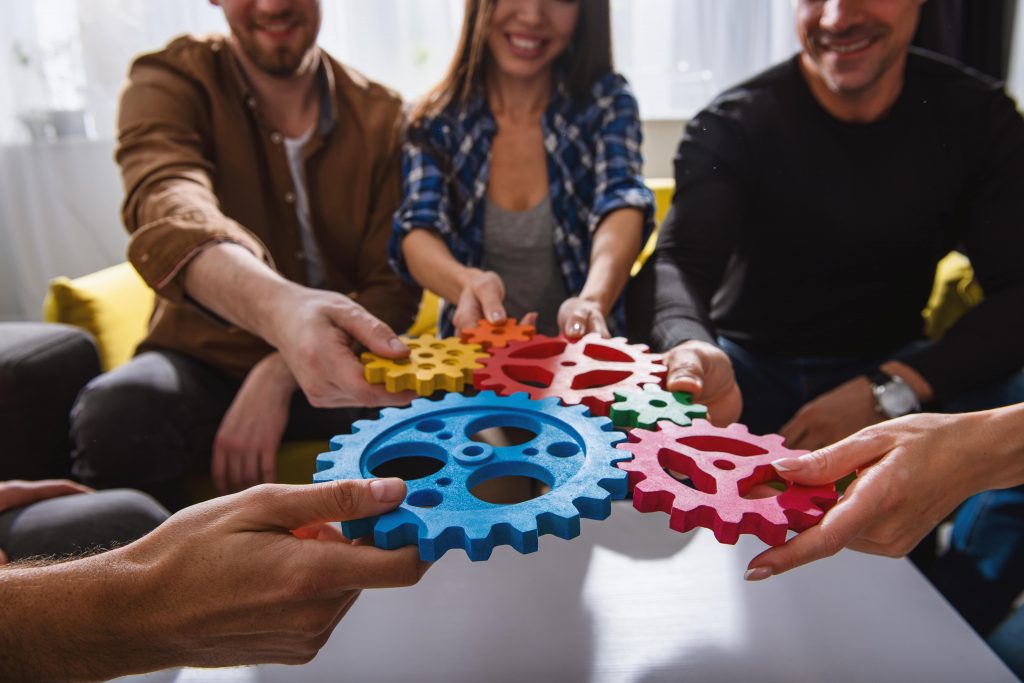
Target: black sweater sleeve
<point>988,342</point>
<point>700,232</point>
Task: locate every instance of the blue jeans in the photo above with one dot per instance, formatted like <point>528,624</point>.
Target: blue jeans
<point>983,572</point>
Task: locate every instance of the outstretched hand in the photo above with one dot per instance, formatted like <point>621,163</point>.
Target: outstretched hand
<point>705,371</point>
<point>911,475</point>
<point>481,298</point>
<point>578,316</point>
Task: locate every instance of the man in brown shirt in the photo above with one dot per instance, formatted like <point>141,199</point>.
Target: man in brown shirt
<point>260,177</point>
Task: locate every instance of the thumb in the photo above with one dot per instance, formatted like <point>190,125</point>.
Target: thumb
<point>293,507</point>
<point>686,375</point>
<point>834,462</point>
<point>374,334</point>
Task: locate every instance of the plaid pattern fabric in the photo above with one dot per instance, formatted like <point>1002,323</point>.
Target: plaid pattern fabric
<point>594,167</point>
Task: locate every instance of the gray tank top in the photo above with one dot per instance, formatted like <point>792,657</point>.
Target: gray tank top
<point>519,246</point>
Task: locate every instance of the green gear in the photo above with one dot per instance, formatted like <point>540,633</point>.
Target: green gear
<point>643,408</point>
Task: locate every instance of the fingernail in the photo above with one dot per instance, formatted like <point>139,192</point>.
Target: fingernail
<point>494,316</point>
<point>397,345</point>
<point>787,464</point>
<point>390,490</point>
<point>757,574</point>
<point>576,328</point>
<point>683,378</point>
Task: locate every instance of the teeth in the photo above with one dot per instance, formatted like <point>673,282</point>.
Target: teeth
<point>524,43</point>
<point>852,47</point>
<point>277,28</point>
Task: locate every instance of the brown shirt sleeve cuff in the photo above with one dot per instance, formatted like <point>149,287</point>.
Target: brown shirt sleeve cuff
<point>161,250</point>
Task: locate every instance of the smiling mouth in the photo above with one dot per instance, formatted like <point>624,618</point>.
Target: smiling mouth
<point>526,46</point>
<point>277,29</point>
<point>845,46</point>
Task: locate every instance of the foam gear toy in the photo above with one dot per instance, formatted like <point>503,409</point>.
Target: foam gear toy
<point>723,465</point>
<point>572,453</point>
<point>491,336</point>
<point>433,365</point>
<point>643,408</point>
<point>589,370</point>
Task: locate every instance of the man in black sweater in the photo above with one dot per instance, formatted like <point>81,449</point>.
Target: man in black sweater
<point>812,205</point>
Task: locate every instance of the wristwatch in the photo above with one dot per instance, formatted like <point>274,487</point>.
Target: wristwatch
<point>893,397</point>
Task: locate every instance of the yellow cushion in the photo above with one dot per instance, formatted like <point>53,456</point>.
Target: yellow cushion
<point>663,189</point>
<point>113,304</point>
<point>954,293</point>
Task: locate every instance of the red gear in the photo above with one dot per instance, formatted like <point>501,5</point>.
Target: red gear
<point>491,336</point>
<point>723,465</point>
<point>589,370</point>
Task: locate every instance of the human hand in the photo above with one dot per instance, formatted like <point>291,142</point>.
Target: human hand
<point>705,371</point>
<point>226,582</point>
<point>832,416</point>
<point>245,447</point>
<point>481,299</point>
<point>17,493</point>
<point>578,316</point>
<point>316,332</point>
<point>911,475</point>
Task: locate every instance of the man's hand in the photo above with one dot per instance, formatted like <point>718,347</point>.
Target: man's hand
<point>912,472</point>
<point>704,370</point>
<point>481,298</point>
<point>245,448</point>
<point>578,316</point>
<point>832,416</point>
<point>316,332</point>
<point>229,583</point>
<point>17,493</point>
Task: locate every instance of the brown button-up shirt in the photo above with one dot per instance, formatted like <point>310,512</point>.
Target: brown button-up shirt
<point>201,166</point>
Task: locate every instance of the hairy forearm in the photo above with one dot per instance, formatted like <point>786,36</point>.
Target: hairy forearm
<point>433,266</point>
<point>230,281</point>
<point>77,621</point>
<point>616,245</point>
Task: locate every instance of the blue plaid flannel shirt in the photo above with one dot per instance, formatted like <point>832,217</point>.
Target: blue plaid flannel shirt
<point>594,167</point>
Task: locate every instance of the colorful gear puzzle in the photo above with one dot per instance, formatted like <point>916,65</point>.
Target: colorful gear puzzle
<point>570,452</point>
<point>723,465</point>
<point>433,365</point>
<point>497,336</point>
<point>643,408</point>
<point>587,371</point>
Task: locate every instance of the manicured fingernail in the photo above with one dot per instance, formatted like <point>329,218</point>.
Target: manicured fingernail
<point>787,464</point>
<point>397,345</point>
<point>389,490</point>
<point>757,574</point>
<point>576,328</point>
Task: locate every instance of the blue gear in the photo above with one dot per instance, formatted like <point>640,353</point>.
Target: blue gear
<point>572,453</point>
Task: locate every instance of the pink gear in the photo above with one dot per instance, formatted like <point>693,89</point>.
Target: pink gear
<point>589,370</point>
<point>723,465</point>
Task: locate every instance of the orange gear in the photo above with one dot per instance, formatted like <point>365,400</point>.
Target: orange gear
<point>433,365</point>
<point>497,336</point>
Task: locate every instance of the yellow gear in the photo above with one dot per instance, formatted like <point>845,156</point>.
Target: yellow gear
<point>433,365</point>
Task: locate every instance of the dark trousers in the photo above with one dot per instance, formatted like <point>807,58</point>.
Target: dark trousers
<point>82,522</point>
<point>983,571</point>
<point>150,423</point>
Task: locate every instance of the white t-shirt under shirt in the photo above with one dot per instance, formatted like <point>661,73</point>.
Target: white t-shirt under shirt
<point>294,148</point>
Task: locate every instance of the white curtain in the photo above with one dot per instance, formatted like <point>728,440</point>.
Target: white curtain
<point>62,63</point>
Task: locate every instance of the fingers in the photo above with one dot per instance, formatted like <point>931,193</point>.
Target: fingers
<point>293,507</point>
<point>841,525</point>
<point>834,462</point>
<point>490,292</point>
<point>365,566</point>
<point>267,465</point>
<point>3,557</point>
<point>219,467</point>
<point>372,333</point>
<point>795,431</point>
<point>529,319</point>
<point>685,373</point>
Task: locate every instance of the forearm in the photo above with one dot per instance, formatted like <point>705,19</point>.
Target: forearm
<point>78,621</point>
<point>230,281</point>
<point>616,243</point>
<point>433,266</point>
<point>997,441</point>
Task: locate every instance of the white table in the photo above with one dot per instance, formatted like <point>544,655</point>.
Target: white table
<point>630,600</point>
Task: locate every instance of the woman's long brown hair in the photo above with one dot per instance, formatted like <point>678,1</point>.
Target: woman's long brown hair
<point>588,57</point>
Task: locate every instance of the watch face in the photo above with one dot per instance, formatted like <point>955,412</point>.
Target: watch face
<point>896,399</point>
